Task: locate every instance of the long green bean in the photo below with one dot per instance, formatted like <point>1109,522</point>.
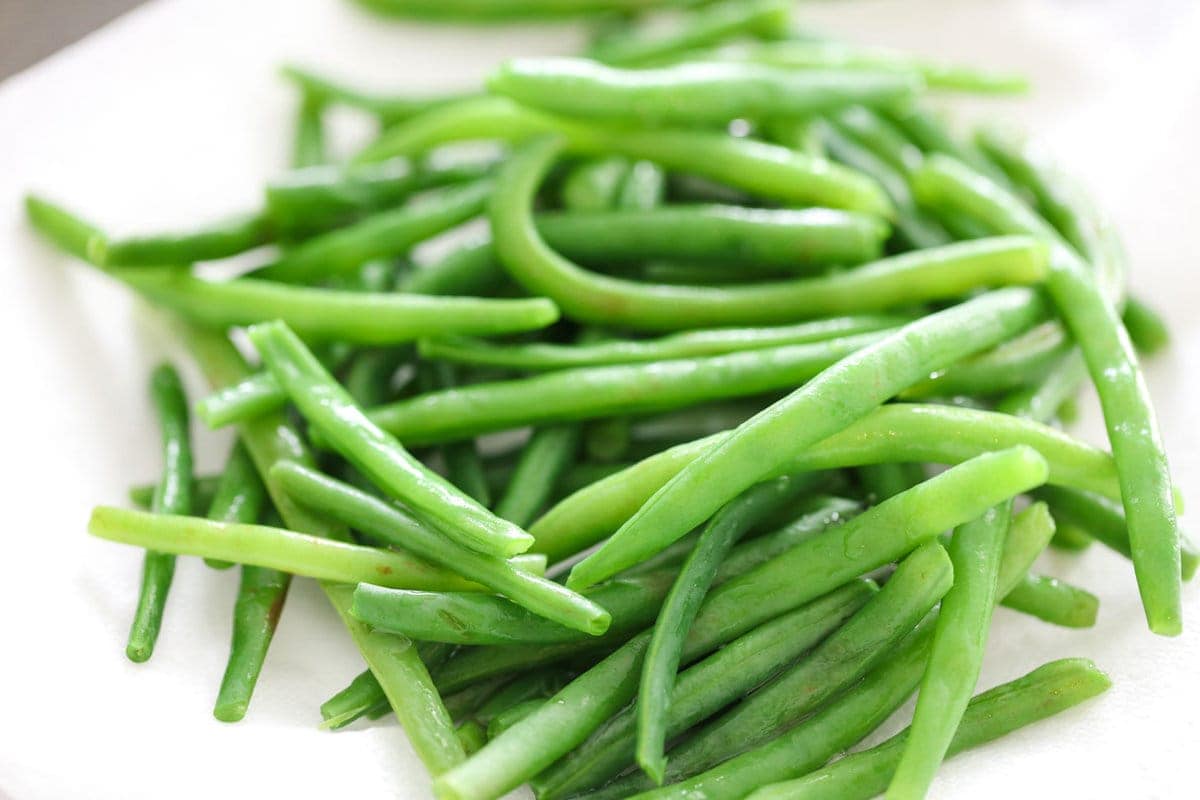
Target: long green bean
<point>380,456</point>
<point>1112,363</point>
<point>173,495</point>
<point>943,273</point>
<point>65,230</point>
<point>1048,690</point>
<point>1020,362</point>
<point>240,495</point>
<point>464,466</point>
<point>541,463</point>
<point>593,185</point>
<point>221,239</point>
<point>388,108</point>
<point>835,399</point>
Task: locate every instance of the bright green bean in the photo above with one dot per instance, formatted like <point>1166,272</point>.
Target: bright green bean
<point>881,481</point>
<point>382,235</point>
<point>327,406</point>
<point>470,270</point>
<point>1146,327</point>
<point>1054,601</point>
<point>541,463</point>
<point>1112,363</point>
<point>388,523</point>
<point>770,171</point>
<point>240,495</point>
<point>896,432</point>
<point>593,185</point>
<point>464,467</point>
<point>309,147</point>
<point>1020,362</point>
<point>1048,690</point>
<point>835,399</point>
<point>221,239</point>
<point>530,686</point>
<point>388,108</point>
<point>692,93</point>
<point>880,136</point>
<point>356,317</point>
<point>356,700</point>
<point>65,230</point>
<point>173,495</point>
<point>260,597</point>
<point>204,488</point>
<point>689,344</point>
<point>645,186</point>
<point>253,397</point>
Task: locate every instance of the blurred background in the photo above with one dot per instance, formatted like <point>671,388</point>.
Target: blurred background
<point>30,30</point>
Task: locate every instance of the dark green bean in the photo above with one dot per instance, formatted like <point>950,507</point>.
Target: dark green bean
<point>356,700</point>
<point>531,686</point>
<point>240,495</point>
<point>472,736</point>
<point>1048,690</point>
<point>173,495</point>
<point>540,466</point>
<point>464,467</point>
<point>222,239</point>
<point>472,269</point>
<point>204,488</point>
<point>260,597</point>
<point>692,93</point>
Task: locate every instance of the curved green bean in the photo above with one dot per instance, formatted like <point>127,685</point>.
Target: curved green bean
<point>835,399</point>
<point>221,239</point>
<point>173,495</point>
<point>915,277</point>
<point>540,466</point>
<point>358,317</point>
<point>1112,363</point>
<point>1048,690</point>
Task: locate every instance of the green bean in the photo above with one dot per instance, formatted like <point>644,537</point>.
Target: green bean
<point>1071,538</point>
<point>371,376</point>
<point>173,495</point>
<point>928,131</point>
<point>819,513</point>
<point>859,645</point>
<point>881,481</point>
<point>770,171</point>
<point>472,736</point>
<point>1025,360</point>
<point>65,230</point>
<point>260,598</point>
<point>1042,400</point>
<point>880,136</point>
<point>221,239</point>
<point>356,700</point>
<point>389,524</point>
<point>470,270</point>
<point>466,703</point>
<point>593,185</point>
<point>691,93</point>
<point>276,548</point>
<point>583,705</point>
<point>330,314</point>
<point>942,273</point>
<point>688,344</point>
<point>531,686</point>
<point>591,392</point>
<point>1129,417</point>
<point>380,456</point>
<point>702,28</point>
<point>484,620</point>
<point>204,488</point>
<point>1048,690</point>
<point>318,198</point>
<point>540,466</point>
<point>485,11</point>
<point>645,186</point>
<point>1147,329</point>
<point>836,398</point>
<point>512,715</point>
<point>381,235</point>
<point>257,395</point>
<point>829,55</point>
<point>464,467</point>
<point>895,432</point>
<point>240,494</point>
<point>681,604</point>
<point>956,654</point>
<point>1053,601</point>
<point>308,139</point>
<point>388,108</point>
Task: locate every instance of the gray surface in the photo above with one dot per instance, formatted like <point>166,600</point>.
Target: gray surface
<point>30,30</point>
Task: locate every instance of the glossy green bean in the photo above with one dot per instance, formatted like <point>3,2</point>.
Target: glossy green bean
<point>770,171</point>
<point>1048,690</point>
<point>384,234</point>
<point>1147,328</point>
<point>592,392</point>
<point>584,704</point>
<point>221,239</point>
<point>1112,363</point>
<point>388,523</point>
<point>1043,400</point>
<point>679,609</point>
<point>692,93</point>
<point>702,28</point>
<point>173,495</point>
<point>688,344</point>
<point>896,432</point>
<point>326,314</point>
<point>541,464</point>
<point>359,697</point>
<point>1053,601</point>
<point>260,597</point>
<point>1025,360</point>
<point>880,136</point>
<point>257,395</point>
<point>956,653</point>
<point>835,399</point>
<point>327,406</point>
<point>388,108</point>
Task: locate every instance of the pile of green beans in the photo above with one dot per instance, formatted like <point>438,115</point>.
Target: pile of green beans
<point>645,492</point>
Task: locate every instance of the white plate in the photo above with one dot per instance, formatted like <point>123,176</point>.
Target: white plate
<point>174,113</point>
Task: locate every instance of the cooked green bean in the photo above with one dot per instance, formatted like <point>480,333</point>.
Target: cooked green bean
<point>388,523</point>
<point>1043,400</point>
<point>240,495</point>
<point>702,28</point>
<point>260,597</point>
<point>692,93</point>
<point>1071,538</point>
<point>464,467</point>
<point>388,108</point>
<point>531,686</point>
<point>1129,417</point>
<point>172,495</point>
<point>771,171</point>
<point>472,269</point>
<point>830,55</point>
<point>356,317</point>
<point>1048,690</point>
<point>512,715</point>
<point>593,185</point>
<point>1054,601</point>
<point>472,736</point>
<point>356,700</point>
<point>327,406</point>
<point>689,344</point>
<point>258,394</point>
<point>1146,327</point>
<point>592,392</point>
<point>221,239</point>
<point>880,136</point>
<point>956,654</point>
<point>541,463</point>
<point>897,432</point>
<point>309,147</point>
<point>583,705</point>
<point>835,399</point>
<point>881,481</point>
<point>204,488</point>
<point>645,186</point>
<point>838,659</point>
<point>382,235</point>
<point>1020,362</point>
<point>695,577</point>
<point>64,229</point>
